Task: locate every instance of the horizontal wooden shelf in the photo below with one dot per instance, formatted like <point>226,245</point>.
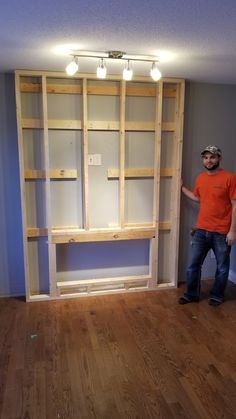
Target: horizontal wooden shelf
<point>136,173</point>
<point>97,236</point>
<point>74,230</point>
<point>102,281</point>
<point>36,232</point>
<point>31,123</point>
<point>113,90</point>
<point>70,124</point>
<point>165,225</point>
<point>53,174</point>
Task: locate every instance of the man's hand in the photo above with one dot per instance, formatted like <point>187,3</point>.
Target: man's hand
<point>231,238</point>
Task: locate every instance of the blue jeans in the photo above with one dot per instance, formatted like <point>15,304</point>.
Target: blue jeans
<point>202,242</point>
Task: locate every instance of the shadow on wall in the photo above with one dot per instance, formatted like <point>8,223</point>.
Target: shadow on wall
<point>11,244</point>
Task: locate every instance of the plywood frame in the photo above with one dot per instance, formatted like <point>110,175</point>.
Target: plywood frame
<point>65,235</point>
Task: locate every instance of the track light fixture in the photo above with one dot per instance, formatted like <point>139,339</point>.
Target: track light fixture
<point>73,66</point>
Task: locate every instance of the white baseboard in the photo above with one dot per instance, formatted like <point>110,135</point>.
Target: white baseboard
<point>232,276</point>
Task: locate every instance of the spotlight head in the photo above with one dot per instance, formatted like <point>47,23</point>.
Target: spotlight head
<point>155,72</point>
<point>72,67</point>
<point>101,69</point>
<point>127,72</point>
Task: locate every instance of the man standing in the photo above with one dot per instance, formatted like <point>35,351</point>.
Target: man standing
<point>215,190</point>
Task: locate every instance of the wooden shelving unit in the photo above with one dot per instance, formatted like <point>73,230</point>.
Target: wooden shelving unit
<point>100,164</point>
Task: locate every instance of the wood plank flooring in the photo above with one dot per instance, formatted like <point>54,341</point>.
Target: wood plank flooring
<point>138,355</point>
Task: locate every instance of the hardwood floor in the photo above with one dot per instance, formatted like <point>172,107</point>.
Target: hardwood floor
<point>138,355</point>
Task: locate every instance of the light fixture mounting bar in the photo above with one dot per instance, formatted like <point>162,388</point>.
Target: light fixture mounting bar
<point>114,55</point>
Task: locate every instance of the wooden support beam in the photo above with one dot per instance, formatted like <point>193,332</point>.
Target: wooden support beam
<point>53,174</point>
<point>104,90</point>
<point>40,232</point>
<point>122,154</point>
<point>85,148</point>
<point>148,126</point>
<point>164,225</point>
<point>63,174</point>
<point>36,232</point>
<point>32,123</point>
<point>104,125</point>
<point>64,124</point>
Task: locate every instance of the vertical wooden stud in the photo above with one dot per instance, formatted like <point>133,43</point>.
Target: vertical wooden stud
<point>51,255</point>
<point>156,191</point>
<point>122,153</point>
<point>22,183</point>
<point>85,156</point>
<point>176,181</point>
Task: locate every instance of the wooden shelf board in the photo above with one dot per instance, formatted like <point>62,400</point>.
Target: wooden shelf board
<point>30,174</point>
<point>68,230</point>
<point>70,124</point>
<point>101,281</point>
<point>139,173</point>
<point>114,90</point>
<point>96,236</point>
<point>36,232</point>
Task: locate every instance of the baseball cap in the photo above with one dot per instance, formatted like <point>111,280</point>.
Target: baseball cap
<point>213,149</point>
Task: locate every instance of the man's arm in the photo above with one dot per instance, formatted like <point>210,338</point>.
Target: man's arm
<point>189,193</point>
<point>231,236</point>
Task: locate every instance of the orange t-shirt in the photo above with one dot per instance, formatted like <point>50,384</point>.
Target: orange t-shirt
<point>215,192</point>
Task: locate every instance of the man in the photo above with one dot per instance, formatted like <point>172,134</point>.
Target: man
<point>215,190</point>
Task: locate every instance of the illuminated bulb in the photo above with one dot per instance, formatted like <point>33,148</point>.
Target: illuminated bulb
<point>101,70</point>
<point>155,72</point>
<point>72,67</point>
<point>127,72</point>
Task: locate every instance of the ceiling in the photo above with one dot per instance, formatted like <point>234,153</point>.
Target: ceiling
<point>198,35</point>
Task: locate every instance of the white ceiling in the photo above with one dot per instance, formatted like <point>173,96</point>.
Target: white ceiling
<point>200,34</point>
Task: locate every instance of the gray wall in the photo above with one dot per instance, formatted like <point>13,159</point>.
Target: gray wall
<point>209,118</point>
<point>11,247</point>
<point>210,111</point>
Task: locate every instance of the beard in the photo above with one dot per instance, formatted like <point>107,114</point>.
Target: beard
<point>213,167</point>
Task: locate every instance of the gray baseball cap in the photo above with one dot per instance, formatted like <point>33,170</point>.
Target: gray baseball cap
<point>213,149</point>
